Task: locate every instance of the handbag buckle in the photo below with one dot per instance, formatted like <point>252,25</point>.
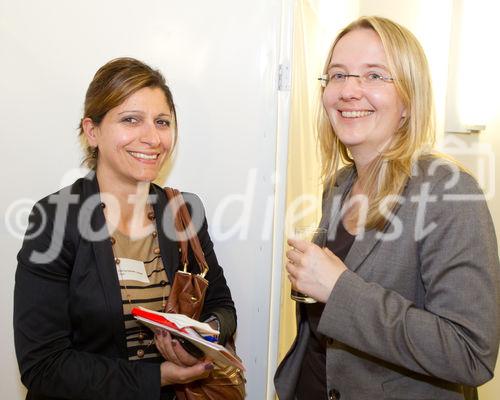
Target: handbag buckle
<point>203,272</point>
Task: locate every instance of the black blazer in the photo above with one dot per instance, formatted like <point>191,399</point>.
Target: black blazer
<point>68,316</point>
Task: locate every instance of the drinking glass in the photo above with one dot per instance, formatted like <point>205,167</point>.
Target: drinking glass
<point>316,236</point>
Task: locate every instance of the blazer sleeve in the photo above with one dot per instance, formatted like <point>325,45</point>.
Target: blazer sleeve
<point>218,300</point>
<point>455,336</point>
<point>49,365</point>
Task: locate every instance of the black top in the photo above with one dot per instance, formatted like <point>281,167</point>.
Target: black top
<point>312,379</point>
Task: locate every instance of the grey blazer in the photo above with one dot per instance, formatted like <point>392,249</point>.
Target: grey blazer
<point>416,315</point>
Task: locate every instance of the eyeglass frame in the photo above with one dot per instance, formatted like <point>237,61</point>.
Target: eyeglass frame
<point>325,78</point>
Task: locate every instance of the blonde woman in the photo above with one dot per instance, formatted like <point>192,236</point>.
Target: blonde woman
<point>408,287</point>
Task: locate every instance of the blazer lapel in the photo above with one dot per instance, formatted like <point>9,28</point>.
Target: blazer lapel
<point>105,263</point>
<point>167,238</point>
<point>361,249</point>
<point>363,244</point>
<point>332,203</point>
<point>366,243</point>
<point>109,278</point>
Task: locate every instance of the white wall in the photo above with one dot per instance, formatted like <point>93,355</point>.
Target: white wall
<point>221,59</point>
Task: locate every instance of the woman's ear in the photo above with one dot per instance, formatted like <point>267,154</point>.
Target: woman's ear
<point>90,130</point>
<point>403,117</point>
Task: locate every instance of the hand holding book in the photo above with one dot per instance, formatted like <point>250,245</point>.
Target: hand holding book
<point>200,335</point>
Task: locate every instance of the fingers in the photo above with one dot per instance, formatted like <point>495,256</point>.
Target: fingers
<point>171,349</point>
<point>164,344</point>
<point>299,244</point>
<point>183,356</point>
<point>297,264</point>
<point>305,268</point>
<point>198,371</point>
<point>302,246</point>
<point>294,256</point>
<point>292,269</point>
<point>293,281</point>
<point>293,273</point>
<point>172,373</point>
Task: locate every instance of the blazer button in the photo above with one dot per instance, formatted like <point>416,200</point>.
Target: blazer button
<point>333,394</point>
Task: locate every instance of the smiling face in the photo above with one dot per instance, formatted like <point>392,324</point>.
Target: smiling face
<point>364,117</point>
<point>134,138</point>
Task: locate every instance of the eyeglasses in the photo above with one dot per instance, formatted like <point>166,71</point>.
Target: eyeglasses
<point>369,79</point>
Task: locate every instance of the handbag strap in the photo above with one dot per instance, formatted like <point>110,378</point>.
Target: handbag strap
<point>185,232</point>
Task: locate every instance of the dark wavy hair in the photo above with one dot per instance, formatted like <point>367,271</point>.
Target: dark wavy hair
<point>113,83</point>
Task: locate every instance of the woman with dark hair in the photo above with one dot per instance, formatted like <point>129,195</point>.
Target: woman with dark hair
<point>408,288</point>
<point>105,244</point>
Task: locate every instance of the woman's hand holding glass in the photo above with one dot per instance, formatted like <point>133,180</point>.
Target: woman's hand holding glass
<point>313,270</point>
<point>180,367</point>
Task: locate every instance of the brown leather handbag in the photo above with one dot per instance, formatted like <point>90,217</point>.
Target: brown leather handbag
<point>186,297</point>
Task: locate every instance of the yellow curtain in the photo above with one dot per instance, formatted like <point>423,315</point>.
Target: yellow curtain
<point>303,170</point>
<point>316,22</point>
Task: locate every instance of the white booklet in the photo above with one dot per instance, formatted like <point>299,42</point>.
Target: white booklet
<point>191,330</point>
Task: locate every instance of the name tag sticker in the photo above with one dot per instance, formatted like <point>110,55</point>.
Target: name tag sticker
<point>131,270</point>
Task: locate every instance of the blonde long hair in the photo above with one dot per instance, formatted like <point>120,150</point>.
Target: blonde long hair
<point>389,172</point>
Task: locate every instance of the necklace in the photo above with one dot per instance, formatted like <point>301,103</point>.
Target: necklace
<point>153,251</point>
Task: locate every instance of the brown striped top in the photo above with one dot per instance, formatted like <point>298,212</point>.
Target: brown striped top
<point>152,294</point>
